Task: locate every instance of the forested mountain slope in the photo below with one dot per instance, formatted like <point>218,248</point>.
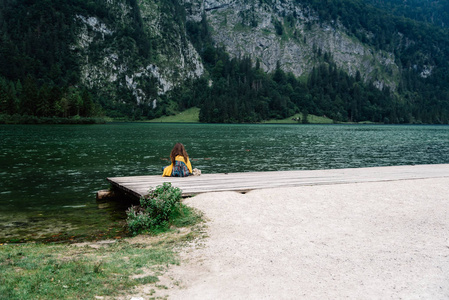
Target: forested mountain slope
<point>238,61</point>
<point>435,12</point>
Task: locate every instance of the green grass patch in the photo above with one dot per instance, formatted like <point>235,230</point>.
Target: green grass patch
<point>65,271</point>
<point>319,120</point>
<point>39,271</point>
<point>241,28</point>
<point>190,115</point>
<point>367,122</point>
<point>266,32</point>
<point>312,119</point>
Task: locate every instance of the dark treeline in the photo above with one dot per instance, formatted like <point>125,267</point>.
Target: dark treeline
<point>45,101</point>
<point>40,68</point>
<point>38,72</point>
<point>241,92</point>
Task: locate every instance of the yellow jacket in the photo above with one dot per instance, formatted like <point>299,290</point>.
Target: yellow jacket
<point>168,170</point>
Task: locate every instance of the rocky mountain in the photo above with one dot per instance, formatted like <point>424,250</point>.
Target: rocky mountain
<point>132,57</point>
<point>109,59</point>
<point>242,28</point>
<point>290,33</point>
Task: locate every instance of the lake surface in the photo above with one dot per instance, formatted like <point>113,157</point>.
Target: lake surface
<point>50,173</point>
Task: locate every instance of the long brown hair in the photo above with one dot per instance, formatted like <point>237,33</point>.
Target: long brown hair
<point>178,149</point>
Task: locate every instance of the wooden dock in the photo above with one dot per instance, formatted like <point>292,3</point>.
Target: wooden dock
<point>137,186</point>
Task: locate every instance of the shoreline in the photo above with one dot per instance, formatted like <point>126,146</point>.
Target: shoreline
<point>355,240</point>
<point>381,239</point>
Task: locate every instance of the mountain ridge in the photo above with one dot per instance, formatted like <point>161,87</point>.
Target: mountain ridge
<point>144,59</point>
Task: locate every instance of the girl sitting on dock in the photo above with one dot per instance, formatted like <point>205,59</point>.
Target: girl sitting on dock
<point>180,163</point>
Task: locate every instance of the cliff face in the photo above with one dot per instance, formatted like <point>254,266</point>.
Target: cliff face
<point>112,61</point>
<point>291,34</point>
<point>274,31</point>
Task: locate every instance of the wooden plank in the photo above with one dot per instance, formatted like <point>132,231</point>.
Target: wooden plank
<point>137,186</point>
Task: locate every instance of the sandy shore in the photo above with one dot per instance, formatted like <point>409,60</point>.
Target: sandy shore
<point>380,240</point>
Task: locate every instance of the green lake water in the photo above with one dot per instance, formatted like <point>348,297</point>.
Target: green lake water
<point>50,173</point>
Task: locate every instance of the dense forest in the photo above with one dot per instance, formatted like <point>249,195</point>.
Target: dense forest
<point>415,44</point>
<point>429,11</point>
<point>40,71</point>
<point>242,92</point>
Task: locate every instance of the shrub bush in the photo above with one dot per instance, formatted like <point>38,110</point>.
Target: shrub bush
<point>156,210</point>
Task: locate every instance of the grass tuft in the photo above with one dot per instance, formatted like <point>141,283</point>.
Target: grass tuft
<point>83,271</point>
